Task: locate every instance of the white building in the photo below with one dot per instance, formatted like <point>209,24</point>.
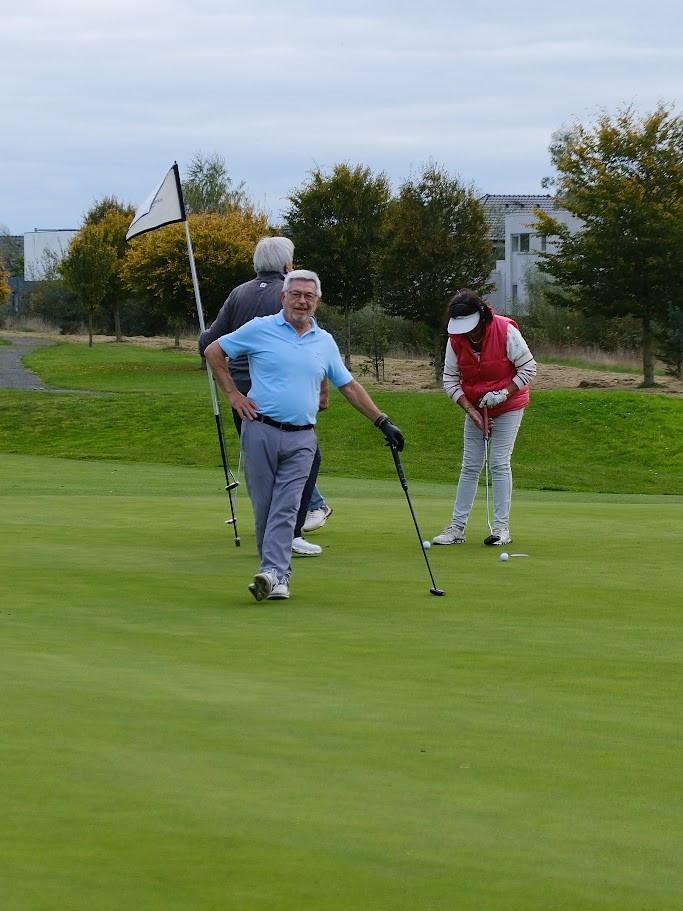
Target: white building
<point>43,249</point>
<point>512,219</point>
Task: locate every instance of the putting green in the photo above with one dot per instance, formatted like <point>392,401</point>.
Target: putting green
<point>170,744</point>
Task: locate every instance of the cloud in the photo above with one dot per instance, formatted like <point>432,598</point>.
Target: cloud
<point>101,98</point>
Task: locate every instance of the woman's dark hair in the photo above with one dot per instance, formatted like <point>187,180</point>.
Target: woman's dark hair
<point>464,302</point>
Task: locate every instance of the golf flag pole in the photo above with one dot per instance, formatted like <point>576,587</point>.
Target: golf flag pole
<point>165,206</point>
<point>230,482</point>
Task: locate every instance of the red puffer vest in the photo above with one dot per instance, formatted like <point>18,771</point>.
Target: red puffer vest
<point>491,370</point>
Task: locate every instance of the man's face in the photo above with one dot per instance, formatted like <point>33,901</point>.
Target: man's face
<point>299,302</point>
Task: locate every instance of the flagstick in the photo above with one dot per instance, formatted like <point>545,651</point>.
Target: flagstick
<point>230,482</point>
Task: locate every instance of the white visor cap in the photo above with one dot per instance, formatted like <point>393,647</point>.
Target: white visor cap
<point>462,324</point>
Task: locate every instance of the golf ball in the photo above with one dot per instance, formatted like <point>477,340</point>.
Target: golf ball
<point>504,557</point>
<point>426,544</point>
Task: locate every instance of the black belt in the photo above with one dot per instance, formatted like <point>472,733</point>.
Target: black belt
<point>264,419</point>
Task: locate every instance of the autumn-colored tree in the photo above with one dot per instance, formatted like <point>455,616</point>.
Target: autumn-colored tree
<point>623,176</point>
<point>157,270</point>
<point>5,289</point>
<point>335,223</point>
<point>435,240</point>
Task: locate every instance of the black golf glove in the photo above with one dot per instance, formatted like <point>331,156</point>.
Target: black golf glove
<point>393,435</point>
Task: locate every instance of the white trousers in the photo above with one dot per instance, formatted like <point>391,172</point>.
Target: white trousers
<point>501,443</point>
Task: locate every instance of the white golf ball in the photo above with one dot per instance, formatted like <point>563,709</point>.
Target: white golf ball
<point>426,544</point>
<point>504,557</point>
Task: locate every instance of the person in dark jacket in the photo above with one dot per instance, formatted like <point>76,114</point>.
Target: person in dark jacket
<point>273,259</point>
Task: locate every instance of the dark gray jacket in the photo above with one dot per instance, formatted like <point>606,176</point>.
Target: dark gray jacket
<point>258,297</point>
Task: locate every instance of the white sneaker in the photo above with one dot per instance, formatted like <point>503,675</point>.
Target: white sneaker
<point>316,518</point>
<point>499,536</point>
<point>302,548</point>
<point>453,534</point>
<point>263,585</point>
<point>280,591</point>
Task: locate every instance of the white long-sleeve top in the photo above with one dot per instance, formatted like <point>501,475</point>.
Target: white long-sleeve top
<point>517,352</point>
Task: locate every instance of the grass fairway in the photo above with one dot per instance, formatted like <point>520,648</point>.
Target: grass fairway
<point>169,744</point>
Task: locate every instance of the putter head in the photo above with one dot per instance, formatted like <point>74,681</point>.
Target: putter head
<point>437,591</point>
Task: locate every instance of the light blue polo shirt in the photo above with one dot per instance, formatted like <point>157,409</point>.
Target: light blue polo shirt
<point>286,368</point>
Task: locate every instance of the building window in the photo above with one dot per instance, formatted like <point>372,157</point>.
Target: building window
<point>520,243</point>
<point>514,294</point>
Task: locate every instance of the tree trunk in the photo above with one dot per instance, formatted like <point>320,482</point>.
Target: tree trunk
<point>648,353</point>
<point>347,337</point>
<point>438,356</point>
<point>90,329</point>
<point>117,323</point>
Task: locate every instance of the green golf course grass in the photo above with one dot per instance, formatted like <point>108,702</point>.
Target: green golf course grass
<point>168,743</point>
<point>153,405</point>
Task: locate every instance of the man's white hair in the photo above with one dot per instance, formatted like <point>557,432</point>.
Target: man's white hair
<point>273,254</point>
<point>303,275</point>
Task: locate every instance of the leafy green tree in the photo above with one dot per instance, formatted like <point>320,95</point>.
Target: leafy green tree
<point>89,269</point>
<point>157,269</point>
<point>103,208</point>
<point>109,220</point>
<point>623,177</point>
<point>335,223</point>
<point>435,240</point>
<point>208,189</point>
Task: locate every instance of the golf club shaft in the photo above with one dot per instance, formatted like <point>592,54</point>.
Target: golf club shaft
<point>404,484</point>
<point>487,434</point>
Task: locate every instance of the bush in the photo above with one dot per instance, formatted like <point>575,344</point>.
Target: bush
<point>374,331</point>
<point>57,305</point>
<point>136,319</point>
<point>548,325</point>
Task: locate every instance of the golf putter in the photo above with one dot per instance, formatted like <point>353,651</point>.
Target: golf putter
<point>404,484</point>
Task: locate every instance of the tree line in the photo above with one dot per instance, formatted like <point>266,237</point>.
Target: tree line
<point>403,255</point>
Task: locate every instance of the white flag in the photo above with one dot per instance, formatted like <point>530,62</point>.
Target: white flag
<point>163,206</point>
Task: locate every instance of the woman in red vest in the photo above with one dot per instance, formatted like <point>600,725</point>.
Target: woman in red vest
<point>488,365</point>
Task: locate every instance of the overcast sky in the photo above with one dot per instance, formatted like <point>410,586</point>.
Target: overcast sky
<point>100,97</point>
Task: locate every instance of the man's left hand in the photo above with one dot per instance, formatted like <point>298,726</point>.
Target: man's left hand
<point>393,435</point>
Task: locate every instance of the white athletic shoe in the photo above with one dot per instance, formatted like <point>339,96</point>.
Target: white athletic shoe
<point>499,536</point>
<point>316,518</point>
<point>263,585</point>
<point>280,591</point>
<point>303,548</point>
<point>453,534</point>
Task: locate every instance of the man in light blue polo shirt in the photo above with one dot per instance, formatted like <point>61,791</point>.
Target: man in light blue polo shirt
<point>289,357</point>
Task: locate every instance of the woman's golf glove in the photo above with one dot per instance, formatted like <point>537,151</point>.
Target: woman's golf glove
<point>393,435</point>
<point>491,399</point>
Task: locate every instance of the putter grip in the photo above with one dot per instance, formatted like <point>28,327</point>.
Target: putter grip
<point>486,422</point>
<point>399,468</point>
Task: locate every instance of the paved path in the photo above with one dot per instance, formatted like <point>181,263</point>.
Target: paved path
<point>13,374</point>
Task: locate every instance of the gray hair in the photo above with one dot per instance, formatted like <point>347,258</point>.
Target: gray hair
<point>273,254</point>
<point>305,276</point>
